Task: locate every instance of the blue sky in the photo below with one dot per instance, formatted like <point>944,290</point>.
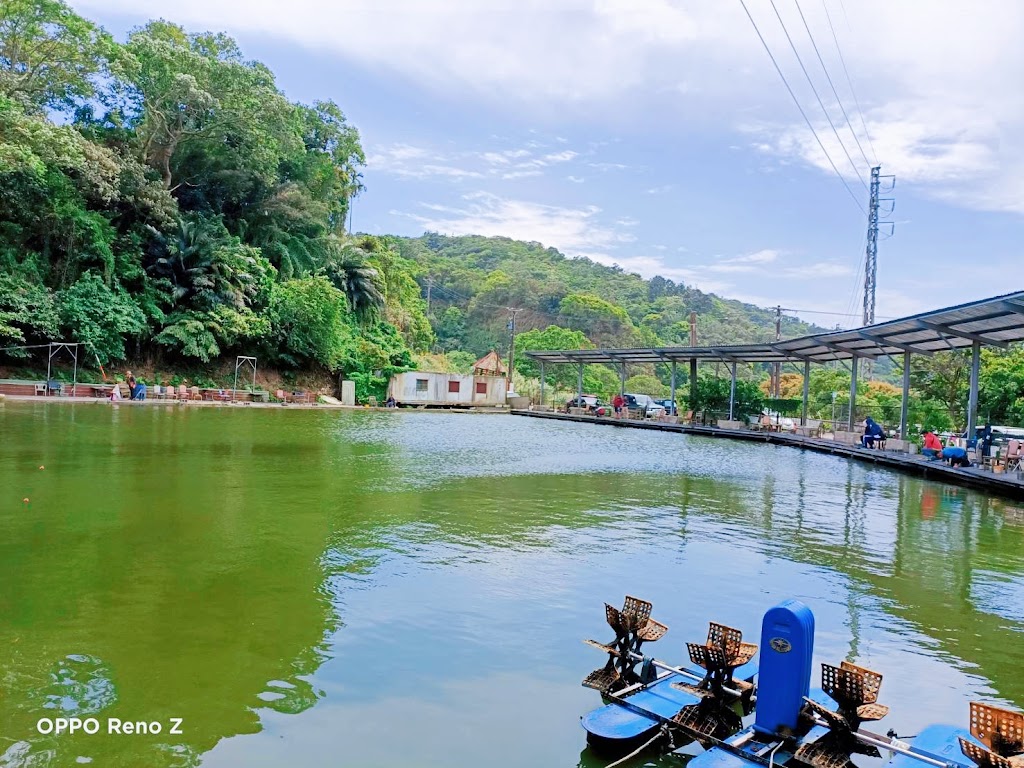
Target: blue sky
<point>656,135</point>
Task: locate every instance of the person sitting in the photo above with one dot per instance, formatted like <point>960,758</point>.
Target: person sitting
<point>390,402</point>
<point>932,445</point>
<point>872,431</point>
<point>957,457</point>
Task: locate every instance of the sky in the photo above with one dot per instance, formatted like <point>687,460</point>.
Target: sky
<point>658,135</point>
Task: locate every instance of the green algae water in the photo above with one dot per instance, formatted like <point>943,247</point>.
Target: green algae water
<point>310,588</point>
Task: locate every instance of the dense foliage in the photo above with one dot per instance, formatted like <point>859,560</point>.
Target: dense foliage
<point>162,198</point>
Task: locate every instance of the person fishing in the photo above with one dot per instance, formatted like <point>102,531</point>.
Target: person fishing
<point>932,445</point>
<point>872,431</point>
<point>956,456</point>
<point>130,378</point>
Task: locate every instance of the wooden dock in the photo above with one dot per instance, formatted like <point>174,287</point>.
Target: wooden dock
<point>1003,484</point>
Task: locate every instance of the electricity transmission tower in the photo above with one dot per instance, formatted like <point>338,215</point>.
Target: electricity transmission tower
<point>871,252</point>
<point>871,255</point>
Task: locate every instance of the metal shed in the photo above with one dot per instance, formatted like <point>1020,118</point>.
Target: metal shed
<point>996,322</point>
<point>447,390</point>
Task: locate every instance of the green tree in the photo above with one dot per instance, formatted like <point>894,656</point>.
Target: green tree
<point>602,320</point>
<point>551,338</point>
<point>451,329</point>
<point>99,316</point>
<point>944,378</point>
<point>28,314</point>
<point>49,55</point>
<point>646,384</point>
<point>194,95</point>
<point>308,316</point>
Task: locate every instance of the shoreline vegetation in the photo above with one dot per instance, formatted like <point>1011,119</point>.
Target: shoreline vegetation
<point>165,204</point>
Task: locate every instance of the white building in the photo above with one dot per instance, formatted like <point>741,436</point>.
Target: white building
<point>447,389</point>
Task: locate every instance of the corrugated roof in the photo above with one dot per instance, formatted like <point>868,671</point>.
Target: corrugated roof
<point>995,322</point>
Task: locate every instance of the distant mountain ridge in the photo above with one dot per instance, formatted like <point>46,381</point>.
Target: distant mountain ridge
<point>473,282</point>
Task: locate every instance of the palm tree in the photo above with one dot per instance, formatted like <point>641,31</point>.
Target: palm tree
<point>348,269</point>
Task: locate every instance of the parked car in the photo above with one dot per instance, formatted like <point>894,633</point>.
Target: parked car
<point>588,402</point>
<point>670,406</point>
<point>645,403</point>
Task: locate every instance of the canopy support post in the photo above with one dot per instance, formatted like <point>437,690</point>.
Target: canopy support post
<point>853,391</point>
<point>905,404</point>
<point>972,400</point>
<point>673,395</point>
<point>732,391</point>
<point>807,386</point>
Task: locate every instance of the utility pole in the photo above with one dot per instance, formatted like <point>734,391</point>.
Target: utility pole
<point>871,252</point>
<point>693,362</point>
<point>777,385</point>
<point>511,344</point>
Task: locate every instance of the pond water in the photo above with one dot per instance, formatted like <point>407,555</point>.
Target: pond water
<point>388,590</point>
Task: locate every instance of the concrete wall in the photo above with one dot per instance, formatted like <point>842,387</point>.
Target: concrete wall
<point>405,388</point>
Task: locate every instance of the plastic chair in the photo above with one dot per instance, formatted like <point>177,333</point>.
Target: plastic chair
<point>1014,456</point>
<point>182,392</point>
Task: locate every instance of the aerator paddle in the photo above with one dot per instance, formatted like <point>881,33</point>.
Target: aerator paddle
<point>855,691</point>
<point>1001,731</point>
<point>633,627</point>
<point>719,657</point>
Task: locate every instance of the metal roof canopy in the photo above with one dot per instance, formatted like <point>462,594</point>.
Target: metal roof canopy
<point>995,322</point>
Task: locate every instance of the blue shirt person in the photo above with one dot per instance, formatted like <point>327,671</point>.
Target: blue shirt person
<point>957,457</point>
<point>872,431</point>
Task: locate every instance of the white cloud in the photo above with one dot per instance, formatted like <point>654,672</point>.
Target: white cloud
<point>764,256</point>
<point>560,157</point>
<point>576,179</point>
<point>414,162</point>
<point>520,174</point>
<point>574,231</point>
<point>939,84</point>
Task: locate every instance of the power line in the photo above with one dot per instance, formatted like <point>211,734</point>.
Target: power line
<point>834,314</point>
<point>807,120</point>
<point>842,61</point>
<point>814,90</point>
<point>831,85</point>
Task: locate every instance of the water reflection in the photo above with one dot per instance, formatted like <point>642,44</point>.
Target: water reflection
<point>409,589</point>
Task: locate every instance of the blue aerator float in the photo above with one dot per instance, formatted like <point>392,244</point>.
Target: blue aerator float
<point>651,704</point>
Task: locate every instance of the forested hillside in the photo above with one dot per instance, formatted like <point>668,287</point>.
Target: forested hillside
<point>163,202</point>
<point>162,199</point>
<point>476,280</point>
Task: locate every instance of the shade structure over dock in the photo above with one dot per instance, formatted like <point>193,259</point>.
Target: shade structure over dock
<point>993,322</point>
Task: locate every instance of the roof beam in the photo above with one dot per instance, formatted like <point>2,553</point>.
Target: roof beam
<point>884,342</point>
<point>939,328</point>
<point>782,351</point>
<point>846,350</point>
<point>1013,306</point>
